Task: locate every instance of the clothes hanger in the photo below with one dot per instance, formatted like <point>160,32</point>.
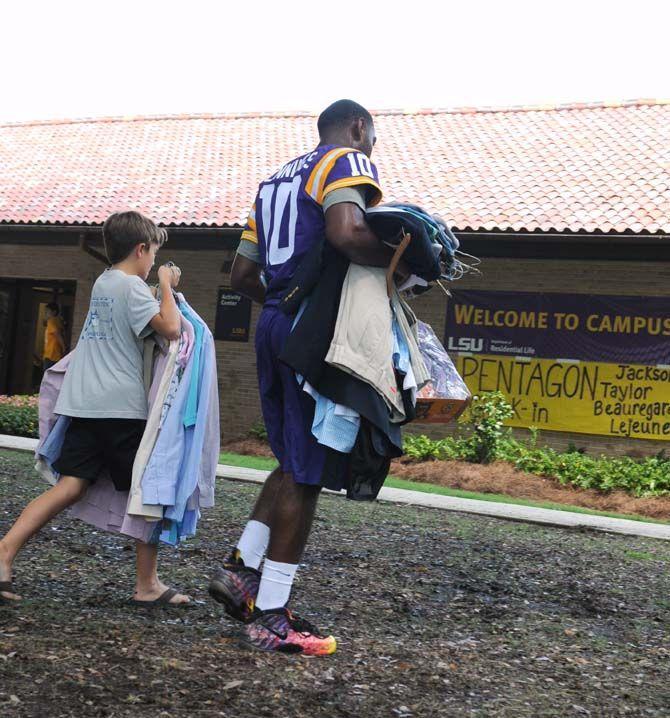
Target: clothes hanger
<point>395,260</point>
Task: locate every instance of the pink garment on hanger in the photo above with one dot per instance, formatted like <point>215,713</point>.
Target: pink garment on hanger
<point>188,342</point>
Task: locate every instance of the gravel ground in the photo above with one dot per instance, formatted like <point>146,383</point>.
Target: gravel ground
<point>437,614</point>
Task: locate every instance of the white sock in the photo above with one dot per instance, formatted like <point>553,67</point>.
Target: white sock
<point>276,582</point>
<point>254,543</point>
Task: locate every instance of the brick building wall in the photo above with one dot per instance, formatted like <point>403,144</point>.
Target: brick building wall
<point>238,391</point>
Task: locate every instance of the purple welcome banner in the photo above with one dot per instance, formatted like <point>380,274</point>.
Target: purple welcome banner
<point>619,330</point>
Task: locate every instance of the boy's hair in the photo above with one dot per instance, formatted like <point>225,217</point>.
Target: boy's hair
<point>123,231</point>
<point>53,307</point>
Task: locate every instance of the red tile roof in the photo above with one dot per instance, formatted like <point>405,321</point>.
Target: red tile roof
<point>588,167</point>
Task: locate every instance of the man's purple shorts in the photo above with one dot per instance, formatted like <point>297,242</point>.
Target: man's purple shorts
<point>288,411</point>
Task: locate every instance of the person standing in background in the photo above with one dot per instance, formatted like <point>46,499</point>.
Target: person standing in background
<point>54,337</point>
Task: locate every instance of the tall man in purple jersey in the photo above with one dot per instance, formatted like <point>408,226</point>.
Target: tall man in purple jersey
<point>324,191</point>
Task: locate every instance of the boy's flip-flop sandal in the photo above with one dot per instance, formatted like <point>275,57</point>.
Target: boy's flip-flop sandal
<point>163,600</point>
<point>6,587</point>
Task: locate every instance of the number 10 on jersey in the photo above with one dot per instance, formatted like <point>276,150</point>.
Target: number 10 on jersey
<point>274,200</point>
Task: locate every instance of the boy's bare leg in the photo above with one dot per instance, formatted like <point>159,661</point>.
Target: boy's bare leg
<point>148,586</point>
<point>36,515</point>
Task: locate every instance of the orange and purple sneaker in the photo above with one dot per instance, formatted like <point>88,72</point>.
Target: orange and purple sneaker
<point>236,587</point>
<point>280,630</point>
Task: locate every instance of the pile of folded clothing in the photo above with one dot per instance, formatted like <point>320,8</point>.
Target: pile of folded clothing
<point>433,252</point>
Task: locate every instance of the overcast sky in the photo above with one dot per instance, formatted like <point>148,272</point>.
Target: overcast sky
<point>68,59</point>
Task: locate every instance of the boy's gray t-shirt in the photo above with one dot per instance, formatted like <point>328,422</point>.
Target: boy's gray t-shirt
<point>105,376</point>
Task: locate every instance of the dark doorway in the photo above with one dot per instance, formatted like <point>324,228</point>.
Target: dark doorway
<point>23,312</point>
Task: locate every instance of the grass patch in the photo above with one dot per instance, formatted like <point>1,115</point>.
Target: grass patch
<point>266,464</point>
<point>248,462</point>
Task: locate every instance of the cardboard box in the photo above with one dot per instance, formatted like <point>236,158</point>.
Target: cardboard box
<point>440,411</point>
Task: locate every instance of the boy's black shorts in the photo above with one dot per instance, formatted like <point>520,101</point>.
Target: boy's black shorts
<point>95,446</point>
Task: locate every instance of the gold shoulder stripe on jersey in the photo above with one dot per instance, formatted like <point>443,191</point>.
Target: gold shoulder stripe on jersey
<point>320,172</point>
<point>251,236</point>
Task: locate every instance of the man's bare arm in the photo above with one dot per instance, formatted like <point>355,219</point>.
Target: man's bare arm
<point>245,278</point>
<point>349,233</point>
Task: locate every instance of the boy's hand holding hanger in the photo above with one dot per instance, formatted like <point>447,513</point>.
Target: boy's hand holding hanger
<point>170,273</point>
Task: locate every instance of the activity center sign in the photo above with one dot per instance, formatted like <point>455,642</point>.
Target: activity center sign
<point>581,363</point>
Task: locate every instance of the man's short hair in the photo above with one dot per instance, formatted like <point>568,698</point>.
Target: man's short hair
<point>340,114</point>
<point>123,231</point>
<point>53,307</point>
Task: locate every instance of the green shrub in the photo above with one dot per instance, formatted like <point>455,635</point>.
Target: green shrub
<point>259,431</point>
<point>489,441</point>
<point>639,477</point>
<point>486,414</point>
<point>18,416</point>
<point>421,448</point>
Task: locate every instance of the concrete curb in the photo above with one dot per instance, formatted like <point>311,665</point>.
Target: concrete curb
<point>511,512</point>
<point>18,443</point>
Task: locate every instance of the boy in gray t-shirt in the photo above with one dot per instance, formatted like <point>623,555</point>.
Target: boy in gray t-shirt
<point>105,378</point>
<point>103,392</point>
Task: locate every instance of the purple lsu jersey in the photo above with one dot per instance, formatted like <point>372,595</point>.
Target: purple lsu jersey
<point>287,217</point>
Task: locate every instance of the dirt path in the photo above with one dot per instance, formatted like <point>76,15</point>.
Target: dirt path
<point>437,614</point>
